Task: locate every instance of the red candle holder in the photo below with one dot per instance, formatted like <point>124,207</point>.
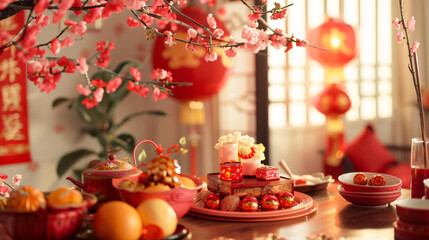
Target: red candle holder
<point>232,171</point>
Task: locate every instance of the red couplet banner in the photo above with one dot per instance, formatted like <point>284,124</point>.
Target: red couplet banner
<point>14,140</point>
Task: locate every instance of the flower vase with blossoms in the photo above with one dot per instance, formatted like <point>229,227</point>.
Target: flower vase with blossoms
<point>249,153</point>
<point>419,147</point>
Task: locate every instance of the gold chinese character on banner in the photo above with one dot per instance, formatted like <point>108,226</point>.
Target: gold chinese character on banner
<point>12,127</point>
<point>9,67</point>
<point>11,97</point>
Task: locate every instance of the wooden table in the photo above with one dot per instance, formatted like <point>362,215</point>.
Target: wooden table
<point>335,217</point>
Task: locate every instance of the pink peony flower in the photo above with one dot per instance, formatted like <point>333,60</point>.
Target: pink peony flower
<point>411,24</point>
<point>211,21</point>
<point>83,90</point>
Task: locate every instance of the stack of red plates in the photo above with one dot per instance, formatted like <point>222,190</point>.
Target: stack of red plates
<point>366,195</point>
<point>413,219</point>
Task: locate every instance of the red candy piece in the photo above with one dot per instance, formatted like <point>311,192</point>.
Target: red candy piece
<point>212,201</point>
<point>360,179</point>
<point>249,204</point>
<point>377,180</point>
<point>269,203</point>
<point>286,199</point>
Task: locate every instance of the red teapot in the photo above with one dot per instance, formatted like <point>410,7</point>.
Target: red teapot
<point>98,179</point>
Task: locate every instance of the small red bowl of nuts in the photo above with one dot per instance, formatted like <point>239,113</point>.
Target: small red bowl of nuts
<point>369,182</point>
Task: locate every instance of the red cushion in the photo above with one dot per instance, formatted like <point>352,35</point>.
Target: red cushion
<point>367,153</point>
<point>402,171</point>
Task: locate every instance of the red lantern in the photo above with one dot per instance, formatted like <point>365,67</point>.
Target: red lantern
<point>338,38</point>
<point>207,77</point>
<point>332,101</point>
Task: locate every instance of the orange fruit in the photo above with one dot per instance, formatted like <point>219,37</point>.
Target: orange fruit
<point>64,196</point>
<point>159,213</point>
<point>187,182</point>
<point>158,188</point>
<point>117,220</point>
<point>26,198</point>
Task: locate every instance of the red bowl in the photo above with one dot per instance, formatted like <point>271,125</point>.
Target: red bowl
<point>179,198</point>
<point>392,183</point>
<point>402,233</point>
<point>368,199</point>
<point>49,223</point>
<point>413,211</point>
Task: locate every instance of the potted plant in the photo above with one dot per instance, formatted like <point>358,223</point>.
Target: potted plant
<point>100,123</point>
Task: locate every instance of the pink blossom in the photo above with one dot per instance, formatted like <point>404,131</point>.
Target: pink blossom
<point>157,94</point>
<point>41,5</point>
<point>29,39</point>
<point>192,33</point>
<point>77,4</point>
<point>83,90</point>
<point>132,23</point>
<point>49,82</point>
<point>158,73</point>
<point>55,46</point>
<point>256,39</point>
<point>93,15</point>
<point>63,7</point>
<point>101,45</point>
<point>230,53</point>
<point>69,23</point>
<point>135,73</point>
<point>82,67</point>
<point>411,24</point>
<point>17,179</point>
<point>255,15</point>
<point>399,36</point>
<point>4,191</point>
<point>146,19</point>
<point>135,88</point>
<point>132,4</point>
<point>415,46</point>
<point>301,43</point>
<point>289,46</point>
<point>221,11</point>
<point>396,23</point>
<point>90,102</point>
<point>279,15</point>
<point>211,56</point>
<point>169,39</point>
<point>69,66</point>
<point>3,176</point>
<point>42,20</point>
<point>190,46</point>
<point>218,32</point>
<point>67,42</point>
<point>98,94</point>
<point>98,83</point>
<point>253,24</point>
<point>112,6</point>
<point>4,3</point>
<point>113,85</point>
<point>211,21</point>
<point>79,28</point>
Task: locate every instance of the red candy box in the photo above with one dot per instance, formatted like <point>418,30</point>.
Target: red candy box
<point>231,171</point>
<point>267,173</point>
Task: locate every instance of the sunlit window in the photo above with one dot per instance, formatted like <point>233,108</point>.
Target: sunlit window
<point>294,78</point>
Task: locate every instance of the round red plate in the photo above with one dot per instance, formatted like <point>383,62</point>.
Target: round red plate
<point>304,205</point>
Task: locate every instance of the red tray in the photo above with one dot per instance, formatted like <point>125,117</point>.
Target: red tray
<point>303,206</point>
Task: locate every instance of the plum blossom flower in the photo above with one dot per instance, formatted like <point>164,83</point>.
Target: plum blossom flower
<point>218,32</point>
<point>42,20</point>
<point>83,90</point>
<point>411,24</point>
<point>132,23</point>
<point>169,39</point>
<point>17,179</point>
<point>55,46</point>
<point>256,39</point>
<point>415,46</point>
<point>79,29</point>
<point>399,36</point>
<point>113,85</point>
<point>69,66</point>
<point>135,73</point>
<point>231,53</point>
<point>255,15</point>
<point>279,15</point>
<point>396,23</point>
<point>157,94</point>
<point>94,13</point>
<point>98,94</point>
<point>90,102</point>
<point>192,33</point>
<point>98,83</point>
<point>211,56</point>
<point>82,67</point>
<point>67,42</point>
<point>146,19</point>
<point>132,4</point>
<point>40,6</point>
<point>135,88</point>
<point>112,6</point>
<point>159,73</point>
<point>211,21</point>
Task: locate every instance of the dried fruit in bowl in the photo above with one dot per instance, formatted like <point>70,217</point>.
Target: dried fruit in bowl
<point>26,198</point>
<point>360,179</point>
<point>377,180</point>
<point>65,197</point>
<point>162,170</point>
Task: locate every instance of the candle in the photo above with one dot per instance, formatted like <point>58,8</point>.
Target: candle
<point>250,166</point>
<point>228,152</point>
